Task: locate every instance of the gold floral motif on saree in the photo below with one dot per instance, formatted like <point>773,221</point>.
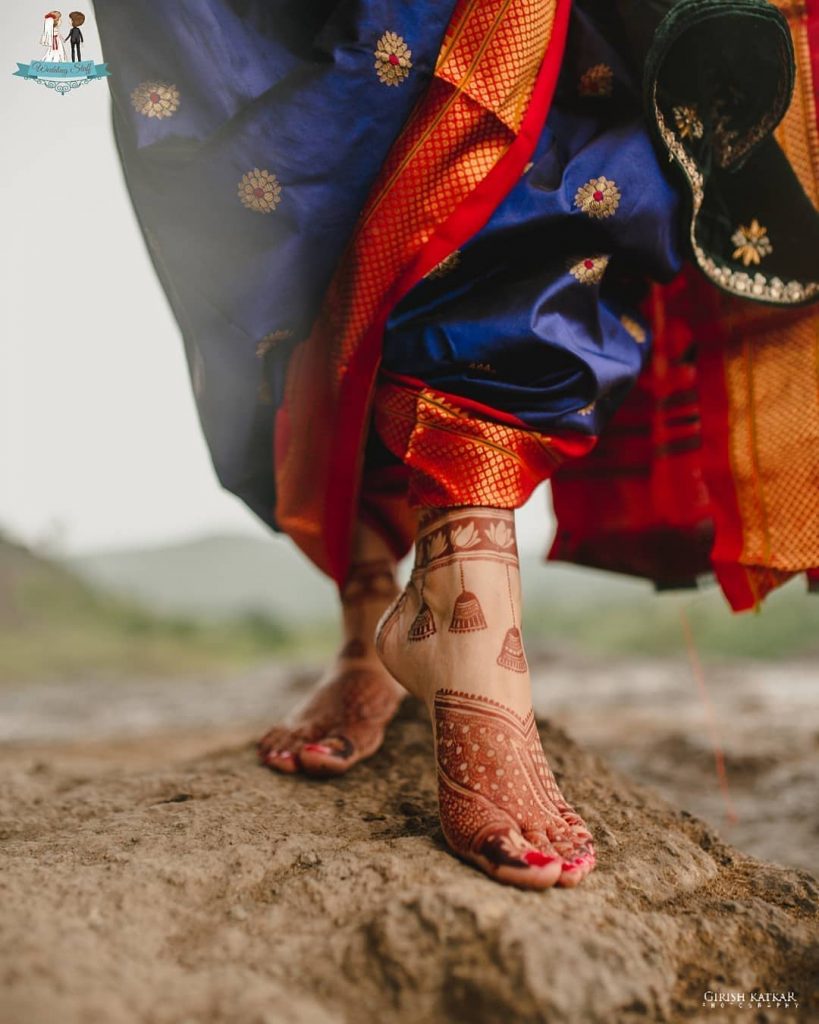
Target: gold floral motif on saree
<point>598,198</point>
<point>589,270</point>
<point>596,81</point>
<point>392,59</point>
<point>259,191</point>
<point>155,99</point>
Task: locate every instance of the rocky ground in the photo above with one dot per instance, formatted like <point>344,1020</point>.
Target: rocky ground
<point>166,879</point>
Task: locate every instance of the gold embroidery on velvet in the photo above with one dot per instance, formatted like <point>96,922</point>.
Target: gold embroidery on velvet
<point>772,289</point>
<point>687,121</point>
<point>752,243</point>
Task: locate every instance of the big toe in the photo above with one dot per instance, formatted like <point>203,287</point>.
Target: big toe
<point>278,749</point>
<point>329,755</point>
<point>508,857</point>
<point>281,761</point>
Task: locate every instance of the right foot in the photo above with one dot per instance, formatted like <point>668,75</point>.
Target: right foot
<point>344,720</point>
<point>452,639</point>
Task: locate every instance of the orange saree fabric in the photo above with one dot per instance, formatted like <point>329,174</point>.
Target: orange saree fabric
<point>462,149</point>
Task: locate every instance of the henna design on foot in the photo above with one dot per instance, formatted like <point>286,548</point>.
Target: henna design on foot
<point>511,654</point>
<point>499,802</point>
<point>371,580</point>
<point>344,720</point>
<point>423,625</point>
<point>500,805</point>
<point>467,615</point>
<point>342,723</point>
<point>482,533</point>
<point>444,539</point>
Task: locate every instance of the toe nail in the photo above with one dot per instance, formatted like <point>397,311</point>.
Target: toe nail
<point>278,755</point>
<point>318,748</point>
<point>537,859</point>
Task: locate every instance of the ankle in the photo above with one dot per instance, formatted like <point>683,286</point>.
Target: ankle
<point>369,588</point>
<point>466,560</point>
<point>368,545</point>
<point>457,625</point>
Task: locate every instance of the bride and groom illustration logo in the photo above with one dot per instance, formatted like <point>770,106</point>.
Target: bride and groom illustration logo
<point>54,70</point>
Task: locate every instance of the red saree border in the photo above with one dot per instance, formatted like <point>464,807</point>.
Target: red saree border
<point>478,207</point>
<point>330,547</point>
<point>457,455</point>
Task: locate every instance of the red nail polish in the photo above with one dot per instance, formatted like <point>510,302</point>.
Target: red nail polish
<point>537,859</point>
<point>318,748</point>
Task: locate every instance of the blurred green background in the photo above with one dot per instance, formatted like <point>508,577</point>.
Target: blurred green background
<point>226,602</point>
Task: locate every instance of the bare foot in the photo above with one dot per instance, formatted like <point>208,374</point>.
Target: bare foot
<point>344,719</point>
<point>452,638</point>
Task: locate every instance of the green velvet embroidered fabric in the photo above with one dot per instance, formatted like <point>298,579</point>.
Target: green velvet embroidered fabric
<point>718,77</point>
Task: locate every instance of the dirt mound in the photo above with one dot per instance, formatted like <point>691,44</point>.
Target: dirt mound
<point>175,881</point>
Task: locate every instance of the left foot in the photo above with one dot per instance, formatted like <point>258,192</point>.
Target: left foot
<point>344,720</point>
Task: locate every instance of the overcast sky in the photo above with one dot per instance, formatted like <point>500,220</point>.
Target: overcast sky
<point>99,442</point>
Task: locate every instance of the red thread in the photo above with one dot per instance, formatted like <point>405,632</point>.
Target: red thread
<point>731,816</point>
